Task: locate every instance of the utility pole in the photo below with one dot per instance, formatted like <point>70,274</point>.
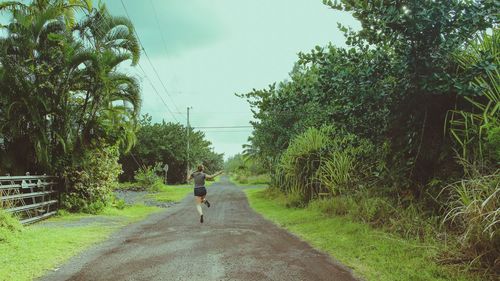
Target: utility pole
<point>187,134</point>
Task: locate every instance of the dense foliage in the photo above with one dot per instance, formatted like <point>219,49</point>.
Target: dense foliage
<point>246,170</point>
<point>89,184</point>
<point>61,90</point>
<point>165,143</point>
<point>66,108</point>
<point>388,117</point>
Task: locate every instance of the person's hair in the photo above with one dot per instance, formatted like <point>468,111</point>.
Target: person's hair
<point>200,168</point>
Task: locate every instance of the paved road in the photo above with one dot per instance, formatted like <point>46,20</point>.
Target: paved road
<point>234,243</point>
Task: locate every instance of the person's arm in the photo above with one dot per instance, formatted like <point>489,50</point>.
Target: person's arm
<point>189,176</point>
<point>212,177</point>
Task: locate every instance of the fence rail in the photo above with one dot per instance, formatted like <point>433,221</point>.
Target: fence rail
<point>30,198</point>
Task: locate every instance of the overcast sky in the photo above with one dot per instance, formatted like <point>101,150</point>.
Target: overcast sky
<point>206,51</point>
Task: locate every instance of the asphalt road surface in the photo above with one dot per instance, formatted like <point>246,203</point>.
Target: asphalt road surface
<point>234,243</point>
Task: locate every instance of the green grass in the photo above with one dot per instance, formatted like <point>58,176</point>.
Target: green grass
<point>171,193</point>
<point>259,180</point>
<point>29,254</point>
<point>372,254</point>
<point>175,193</point>
<point>127,186</point>
<point>38,248</point>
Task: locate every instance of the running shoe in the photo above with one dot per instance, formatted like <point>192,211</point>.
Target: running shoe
<point>207,203</point>
<point>201,219</point>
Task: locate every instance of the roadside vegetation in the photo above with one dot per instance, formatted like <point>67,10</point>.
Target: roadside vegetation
<point>175,193</point>
<point>398,131</point>
<point>28,252</point>
<point>372,254</point>
<point>171,193</point>
<point>165,143</point>
<point>69,108</point>
<point>246,171</point>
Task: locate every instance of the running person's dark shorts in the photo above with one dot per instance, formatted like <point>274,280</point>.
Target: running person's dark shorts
<point>200,191</point>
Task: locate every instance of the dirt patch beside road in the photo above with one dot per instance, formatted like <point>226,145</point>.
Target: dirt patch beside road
<point>141,197</point>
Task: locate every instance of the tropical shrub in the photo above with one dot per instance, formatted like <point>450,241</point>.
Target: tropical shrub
<point>413,222</point>
<point>324,160</point>
<point>372,209</point>
<point>409,70</point>
<point>475,130</point>
<point>245,169</point>
<point>61,87</point>
<point>166,143</point>
<point>253,179</point>
<point>119,204</point>
<point>473,203</point>
<point>147,177</point>
<point>335,206</point>
<point>89,185</point>
<point>9,226</point>
<point>298,166</point>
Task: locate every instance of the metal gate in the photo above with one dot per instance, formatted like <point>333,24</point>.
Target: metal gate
<point>30,198</point>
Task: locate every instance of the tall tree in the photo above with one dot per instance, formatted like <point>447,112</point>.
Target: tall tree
<point>166,143</point>
<point>61,86</point>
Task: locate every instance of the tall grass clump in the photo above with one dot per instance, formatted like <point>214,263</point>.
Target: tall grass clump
<point>298,165</point>
<point>322,160</point>
<point>335,171</point>
<point>473,203</point>
<point>474,211</point>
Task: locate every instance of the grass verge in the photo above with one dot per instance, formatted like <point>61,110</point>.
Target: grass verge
<point>29,254</point>
<point>372,254</point>
<point>175,193</point>
<point>169,193</point>
<point>260,180</point>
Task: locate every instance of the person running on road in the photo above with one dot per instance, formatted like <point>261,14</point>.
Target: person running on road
<point>200,192</point>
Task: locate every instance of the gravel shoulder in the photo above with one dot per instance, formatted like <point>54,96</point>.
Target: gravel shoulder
<point>130,198</point>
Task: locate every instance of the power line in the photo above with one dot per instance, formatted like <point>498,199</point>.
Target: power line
<point>142,69</point>
<point>159,27</point>
<point>222,127</point>
<point>226,132</point>
<point>158,76</point>
<point>152,66</point>
<point>217,112</point>
<point>98,29</point>
<point>156,92</point>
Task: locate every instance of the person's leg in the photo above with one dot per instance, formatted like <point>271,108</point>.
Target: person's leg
<point>199,200</point>
<point>205,201</point>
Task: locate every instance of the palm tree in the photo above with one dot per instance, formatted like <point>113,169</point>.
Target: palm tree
<point>30,55</point>
<point>109,92</point>
<point>62,93</point>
